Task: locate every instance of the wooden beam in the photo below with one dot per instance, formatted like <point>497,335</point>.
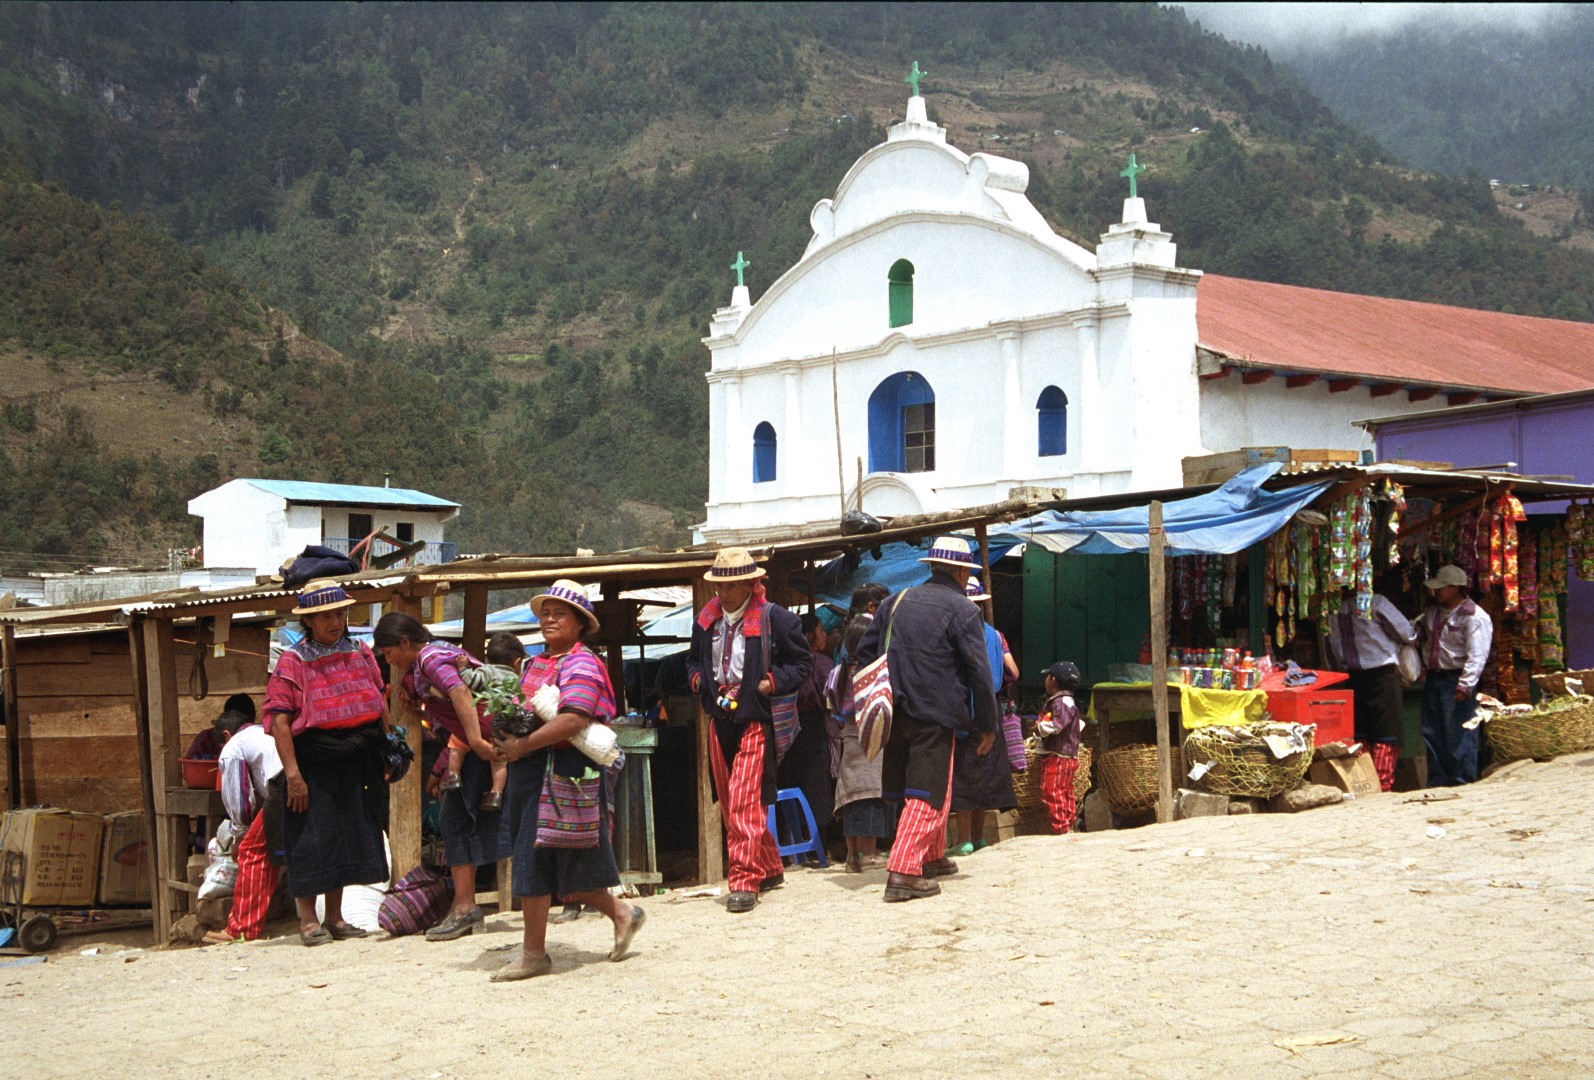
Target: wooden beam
<point>168,831</point>
<point>1383,389</point>
<point>473,635</point>
<point>404,797</point>
<point>1159,664</point>
<point>1252,378</point>
<point>710,849</point>
<point>1295,382</point>
<point>1422,393</point>
<point>13,721</point>
<point>1339,386</point>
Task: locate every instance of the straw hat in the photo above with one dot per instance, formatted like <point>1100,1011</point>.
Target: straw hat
<point>952,550</point>
<point>1447,575</point>
<point>572,593</point>
<point>321,596</point>
<point>974,590</point>
<point>733,564</point>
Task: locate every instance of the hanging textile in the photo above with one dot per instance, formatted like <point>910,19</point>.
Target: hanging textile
<point>1510,513</point>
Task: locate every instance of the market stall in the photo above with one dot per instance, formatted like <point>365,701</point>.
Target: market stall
<point>1253,568</point>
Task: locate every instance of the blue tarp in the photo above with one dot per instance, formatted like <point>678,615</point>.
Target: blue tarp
<point>514,619</point>
<point>897,568</point>
<point>1221,522</point>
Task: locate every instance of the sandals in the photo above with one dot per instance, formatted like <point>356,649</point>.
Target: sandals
<point>960,850</point>
<point>316,935</point>
<point>492,801</point>
<point>345,931</point>
<point>455,925</point>
<point>521,968</point>
<point>568,913</point>
<point>220,937</point>
<point>623,942</point>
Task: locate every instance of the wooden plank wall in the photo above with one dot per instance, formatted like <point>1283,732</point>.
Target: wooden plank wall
<point>77,741</point>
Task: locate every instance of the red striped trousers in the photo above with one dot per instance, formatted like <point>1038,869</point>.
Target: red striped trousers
<point>921,832</point>
<point>752,851</point>
<point>257,880</point>
<point>1057,791</point>
<point>1385,754</point>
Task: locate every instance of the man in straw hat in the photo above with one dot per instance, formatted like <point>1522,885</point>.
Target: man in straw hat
<point>744,651</point>
<point>1456,634</point>
<point>938,670</point>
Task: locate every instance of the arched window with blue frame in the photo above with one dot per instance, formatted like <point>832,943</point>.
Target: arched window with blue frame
<point>1052,417</point>
<point>763,453</point>
<point>899,293</point>
<point>902,425</point>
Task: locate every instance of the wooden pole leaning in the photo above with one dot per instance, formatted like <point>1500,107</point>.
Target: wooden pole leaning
<point>710,827</point>
<point>1159,663</point>
<point>404,797</point>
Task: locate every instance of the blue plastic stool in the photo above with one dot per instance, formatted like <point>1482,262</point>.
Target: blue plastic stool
<point>786,797</point>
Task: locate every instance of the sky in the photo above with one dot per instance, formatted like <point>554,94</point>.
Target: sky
<point>1284,28</point>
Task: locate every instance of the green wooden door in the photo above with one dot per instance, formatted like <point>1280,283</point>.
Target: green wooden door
<point>1091,609</point>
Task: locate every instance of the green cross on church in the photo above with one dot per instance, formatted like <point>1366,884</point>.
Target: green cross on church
<point>739,265</point>
<point>914,76</point>
<point>1132,170</point>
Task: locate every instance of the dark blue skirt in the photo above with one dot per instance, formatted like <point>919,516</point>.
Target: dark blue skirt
<point>555,871</point>
<point>337,841</point>
<point>473,837</point>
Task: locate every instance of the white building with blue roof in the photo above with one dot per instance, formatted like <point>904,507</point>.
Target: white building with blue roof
<point>261,523</point>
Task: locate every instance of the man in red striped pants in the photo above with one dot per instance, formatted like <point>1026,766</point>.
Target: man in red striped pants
<point>934,640</point>
<point>747,655</point>
<point>248,762</point>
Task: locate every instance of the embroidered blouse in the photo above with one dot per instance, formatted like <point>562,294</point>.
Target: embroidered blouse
<point>582,680</point>
<point>433,678</point>
<point>326,686</point>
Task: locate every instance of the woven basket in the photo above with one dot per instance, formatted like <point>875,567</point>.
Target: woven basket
<point>1033,819</point>
<point>1554,683</point>
<point>1248,770</point>
<point>1129,776</point>
<point>1545,732</point>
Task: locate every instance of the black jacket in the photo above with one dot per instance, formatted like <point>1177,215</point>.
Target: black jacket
<point>937,655</point>
<point>791,663</point>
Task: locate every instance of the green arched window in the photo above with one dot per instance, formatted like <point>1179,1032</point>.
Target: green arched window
<point>900,292</point>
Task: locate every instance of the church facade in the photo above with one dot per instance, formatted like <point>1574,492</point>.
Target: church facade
<point>939,346</point>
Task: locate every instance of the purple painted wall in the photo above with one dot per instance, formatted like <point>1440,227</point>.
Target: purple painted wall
<point>1546,437</point>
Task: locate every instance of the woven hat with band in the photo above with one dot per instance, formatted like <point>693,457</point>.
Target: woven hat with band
<point>733,564</point>
<point>952,550</point>
<point>572,593</point>
<point>321,596</point>
<point>974,590</point>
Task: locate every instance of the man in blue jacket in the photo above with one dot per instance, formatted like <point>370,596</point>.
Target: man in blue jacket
<point>938,666</point>
<point>745,650</point>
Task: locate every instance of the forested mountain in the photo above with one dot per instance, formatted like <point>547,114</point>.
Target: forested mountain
<point>512,222</point>
<point>1512,103</point>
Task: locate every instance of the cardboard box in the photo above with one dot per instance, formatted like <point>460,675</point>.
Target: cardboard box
<point>1353,774</point>
<point>124,859</point>
<point>60,854</point>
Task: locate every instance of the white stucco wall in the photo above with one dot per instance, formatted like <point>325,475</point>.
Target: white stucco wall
<point>1002,309</point>
<point>1270,413</point>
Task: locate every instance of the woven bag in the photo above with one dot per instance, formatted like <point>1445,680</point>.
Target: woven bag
<point>872,695</point>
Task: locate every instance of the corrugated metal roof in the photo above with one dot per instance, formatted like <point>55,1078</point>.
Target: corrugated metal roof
<point>1292,329</point>
<point>302,491</point>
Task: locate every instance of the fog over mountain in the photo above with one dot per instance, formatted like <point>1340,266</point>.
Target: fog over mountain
<point>1503,89</point>
<point>1285,29</point>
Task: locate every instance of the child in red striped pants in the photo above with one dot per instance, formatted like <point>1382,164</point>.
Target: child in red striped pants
<point>248,762</point>
<point>1060,727</point>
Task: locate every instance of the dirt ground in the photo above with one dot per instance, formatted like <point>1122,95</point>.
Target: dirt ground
<point>1354,939</point>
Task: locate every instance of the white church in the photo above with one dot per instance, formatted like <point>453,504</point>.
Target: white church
<point>939,346</point>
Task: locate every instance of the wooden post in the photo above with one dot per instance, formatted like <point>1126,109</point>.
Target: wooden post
<point>146,773</point>
<point>168,830</point>
<point>8,688</point>
<point>710,842</point>
<point>987,606</point>
<point>474,631</point>
<point>404,797</point>
<point>1159,665</point>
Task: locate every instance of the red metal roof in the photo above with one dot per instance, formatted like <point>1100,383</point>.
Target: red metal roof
<point>1291,329</point>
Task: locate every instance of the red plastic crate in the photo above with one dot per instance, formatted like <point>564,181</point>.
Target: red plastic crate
<point>1333,711</point>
